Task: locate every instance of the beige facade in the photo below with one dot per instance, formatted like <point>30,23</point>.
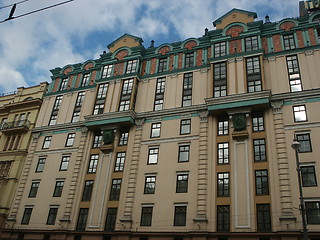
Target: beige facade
<point>190,140</point>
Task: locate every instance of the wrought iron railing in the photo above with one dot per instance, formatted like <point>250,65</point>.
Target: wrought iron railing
<point>15,125</point>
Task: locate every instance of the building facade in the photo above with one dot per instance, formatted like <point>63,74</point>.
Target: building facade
<point>189,140</point>
<point>18,114</point>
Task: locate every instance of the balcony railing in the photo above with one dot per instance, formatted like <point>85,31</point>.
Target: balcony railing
<point>15,126</point>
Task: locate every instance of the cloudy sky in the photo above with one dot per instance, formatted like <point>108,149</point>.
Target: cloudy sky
<point>80,30</point>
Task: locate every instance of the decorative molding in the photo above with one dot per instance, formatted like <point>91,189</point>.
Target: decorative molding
<point>231,60</point>
<point>35,136</point>
<point>309,52</point>
<point>204,70</point>
<point>271,59</point>
<point>84,131</point>
<point>139,123</point>
<point>302,126</point>
<point>174,75</point>
<point>145,80</point>
<point>277,105</point>
<point>239,59</point>
<point>118,80</point>
<point>203,116</point>
<point>167,140</point>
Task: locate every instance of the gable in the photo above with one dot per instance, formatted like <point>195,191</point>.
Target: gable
<point>235,15</point>
<point>125,40</point>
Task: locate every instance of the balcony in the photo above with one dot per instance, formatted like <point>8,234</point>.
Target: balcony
<point>14,127</point>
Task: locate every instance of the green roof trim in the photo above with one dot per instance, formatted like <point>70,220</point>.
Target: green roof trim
<point>249,14</point>
<point>244,103</point>
<point>110,121</point>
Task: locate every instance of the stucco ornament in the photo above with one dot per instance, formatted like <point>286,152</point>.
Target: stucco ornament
<point>239,121</point>
<point>108,136</point>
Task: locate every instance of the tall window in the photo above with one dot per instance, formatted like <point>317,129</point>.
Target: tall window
<point>106,71</point>
<point>126,94</point>
<point>294,73</point>
<point>34,189</point>
<point>97,140</point>
<point>155,130</point>
<point>182,183</point>
<point>180,215</point>
<point>300,114</point>
<point>153,155</point>
<point>111,219</point>
<point>257,122</point>
<point>184,151</point>
<point>159,95</point>
<point>146,216</point>
<point>87,191</point>
<point>220,79</point>
<point>185,127</point>
<point>223,153</point>
<point>162,66</point>
<point>254,81</point>
<point>26,215</point>
<point>115,190</point>
<point>263,217</point>
<point>55,110</point>
<point>82,219</point>
<point>100,99</point>
<point>288,42</point>
<point>124,135</point>
<point>64,163</point>
<point>40,165</point>
<point>187,89</point>
<point>85,80</point>
<point>93,163</point>
<point>189,60</point>
<point>220,49</point>
<point>251,43</point>
<point>77,107</point>
<point>64,84</point>
<point>259,148</point>
<point>262,185</point>
<point>223,126</point>
<point>305,141</point>
<point>58,188</point>
<point>313,212</point>
<point>131,66</point>
<point>70,139</point>
<point>308,175</point>
<point>150,185</point>
<point>119,166</point>
<point>52,215</point>
<point>223,218</point>
<point>46,142</point>
<point>223,184</point>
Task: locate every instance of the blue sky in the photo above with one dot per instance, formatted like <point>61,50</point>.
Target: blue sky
<point>80,30</point>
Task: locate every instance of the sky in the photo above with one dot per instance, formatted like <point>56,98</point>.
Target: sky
<point>80,30</point>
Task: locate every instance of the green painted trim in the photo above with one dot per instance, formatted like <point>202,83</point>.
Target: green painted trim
<point>175,62</point>
<point>204,56</point>
<point>148,65</point>
<point>270,44</point>
<point>296,39</point>
<point>307,100</point>
<point>183,60</point>
<point>110,121</point>
<point>259,42</point>
<point>316,35</point>
<point>195,58</point>
<point>244,103</point>
<point>243,46</point>
<point>168,62</point>
<point>157,65</point>
<point>293,51</point>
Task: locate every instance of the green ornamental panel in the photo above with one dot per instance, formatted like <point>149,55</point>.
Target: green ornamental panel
<point>239,121</point>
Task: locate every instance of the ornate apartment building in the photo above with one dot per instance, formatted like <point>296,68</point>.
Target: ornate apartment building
<point>182,141</point>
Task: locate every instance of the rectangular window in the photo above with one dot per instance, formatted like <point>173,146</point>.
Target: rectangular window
<point>185,127</point>
<point>100,99</point>
<point>85,80</point>
<point>153,155</point>
<point>34,189</point>
<point>223,153</point>
<point>131,66</point>
<point>40,164</point>
<point>93,163</point>
<point>64,84</point>
<point>106,71</point>
<point>288,42</point>
<point>97,140</point>
<point>162,66</point>
<point>64,163</point>
<point>146,216</point>
<point>115,190</point>
<point>300,114</point>
<point>223,126</point>
<point>257,122</point>
<point>251,43</point>
<point>111,219</point>
<point>182,183</point>
<point>150,185</point>
<point>187,89</point>
<point>262,185</point>
<point>305,141</point>
<point>155,130</point>
<point>126,95</point>
<point>220,80</point>
<point>184,151</point>
<point>46,142</point>
<point>87,191</point>
<point>313,212</point>
<point>70,139</point>
<point>55,110</point>
<point>119,166</point>
<point>223,218</point>
<point>254,81</point>
<point>263,217</point>
<point>223,184</point>
<point>189,60</point>
<point>159,94</point>
<point>294,73</point>
<point>124,134</point>
<point>58,188</point>
<point>82,219</point>
<point>26,215</point>
<point>77,107</point>
<point>52,215</point>
<point>308,175</point>
<point>259,148</point>
<point>220,49</point>
<point>180,215</point>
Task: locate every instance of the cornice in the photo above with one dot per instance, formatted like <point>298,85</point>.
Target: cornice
<point>58,127</point>
<point>296,95</point>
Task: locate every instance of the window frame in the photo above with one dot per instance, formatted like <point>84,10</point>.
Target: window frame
<point>34,188</point>
<point>162,64</point>
<point>52,215</point>
<point>87,190</point>
<point>294,74</point>
<point>260,150</point>
<point>131,66</point>
<point>263,225</point>
<point>296,112</point>
<point>115,189</point>
<point>111,219</point>
<point>223,153</point>
<point>185,126</point>
<point>262,182</point>
<point>159,94</point>
<point>223,184</point>
<point>64,162</point>
<point>40,164</point>
<point>180,216</point>
<point>82,219</point>
<point>258,122</point>
<point>220,49</point>
<point>223,126</point>
<point>58,188</point>
<point>189,58</point>
<point>308,178</point>
<point>25,220</point>
<point>70,139</point>
<point>182,183</point>
<point>85,80</point>
<point>313,218</point>
<point>153,152</point>
<point>187,89</point>
<point>120,161</point>
<point>146,216</point>
<point>220,80</point>
<point>223,218</point>
<point>251,43</point>
<point>155,130</point>
<point>106,71</point>
<point>150,184</point>
<point>306,145</point>
<point>46,142</point>
<point>97,140</point>
<point>253,74</point>
<point>289,42</point>
<point>93,164</point>
<point>183,150</point>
